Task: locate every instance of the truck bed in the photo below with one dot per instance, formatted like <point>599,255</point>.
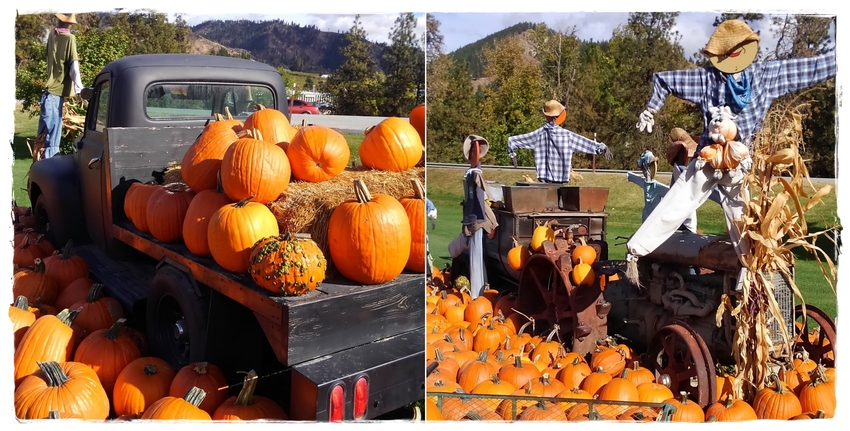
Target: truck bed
<point>341,313</point>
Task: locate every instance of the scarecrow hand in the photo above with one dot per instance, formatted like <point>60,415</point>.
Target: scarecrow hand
<point>646,121</point>
<point>432,215</point>
<point>608,154</point>
<point>746,165</point>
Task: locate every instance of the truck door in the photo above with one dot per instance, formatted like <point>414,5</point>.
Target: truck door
<point>92,167</point>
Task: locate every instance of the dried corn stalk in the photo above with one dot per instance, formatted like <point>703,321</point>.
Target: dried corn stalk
<point>773,224</point>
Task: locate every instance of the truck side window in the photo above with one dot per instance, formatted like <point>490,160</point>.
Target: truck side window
<point>102,106</point>
<point>170,101</point>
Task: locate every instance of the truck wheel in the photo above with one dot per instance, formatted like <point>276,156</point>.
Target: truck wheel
<point>176,318</point>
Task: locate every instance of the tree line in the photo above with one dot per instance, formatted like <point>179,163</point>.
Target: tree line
<point>604,86</point>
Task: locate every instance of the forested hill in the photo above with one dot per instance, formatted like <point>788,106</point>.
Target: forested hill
<point>472,52</point>
<point>297,47</point>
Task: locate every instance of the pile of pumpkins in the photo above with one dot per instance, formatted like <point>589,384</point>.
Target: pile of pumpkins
<point>482,347</point>
<point>234,170</point>
<point>74,356</point>
<point>583,255</point>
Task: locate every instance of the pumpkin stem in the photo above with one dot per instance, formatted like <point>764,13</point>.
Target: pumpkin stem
<point>67,316</point>
<point>684,396</point>
<point>227,112</point>
<point>115,329</point>
<point>518,361</point>
<point>195,396</point>
<point>368,130</point>
<point>729,401</point>
<point>66,252</point>
<point>482,357</point>
<point>438,355</point>
<point>418,190</point>
<point>22,303</point>
<point>200,368</point>
<point>38,266</point>
<point>95,293</point>
<point>150,369</point>
<point>361,191</point>
<point>54,414</point>
<point>246,394</point>
<point>554,332</point>
<point>244,202</point>
<point>55,374</point>
<point>820,414</point>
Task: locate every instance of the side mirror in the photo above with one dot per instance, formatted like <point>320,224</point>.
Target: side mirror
<point>87,93</point>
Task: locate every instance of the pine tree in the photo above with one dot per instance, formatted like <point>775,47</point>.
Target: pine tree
<point>354,85</point>
<point>404,64</point>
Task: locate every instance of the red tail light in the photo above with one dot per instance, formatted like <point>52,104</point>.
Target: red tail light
<point>361,397</point>
<point>337,404</point>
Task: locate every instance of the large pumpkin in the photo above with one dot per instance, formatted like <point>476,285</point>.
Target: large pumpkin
<point>22,318</point>
<point>184,408</point>
<point>65,267</point>
<point>202,161</point>
<point>136,204</point>
<point>203,375</point>
<point>140,384</point>
<point>417,120</point>
<point>317,153</point>
<point>197,220</point>
<point>50,338</point>
<point>392,145</point>
<point>272,124</point>
<point>287,265</point>
<point>34,284</point>
<point>67,387</point>
<point>247,406</point>
<point>254,169</point>
<point>414,206</point>
<point>369,237</point>
<point>97,311</point>
<point>27,252</point>
<point>166,210</point>
<point>234,229</point>
<point>107,352</point>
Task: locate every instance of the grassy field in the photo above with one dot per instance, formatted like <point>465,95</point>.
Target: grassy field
<point>26,128</point>
<point>625,203</point>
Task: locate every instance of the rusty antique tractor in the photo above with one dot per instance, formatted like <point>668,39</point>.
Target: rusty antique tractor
<point>670,317</point>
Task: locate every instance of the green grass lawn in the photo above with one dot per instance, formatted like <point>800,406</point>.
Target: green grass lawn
<point>625,203</point>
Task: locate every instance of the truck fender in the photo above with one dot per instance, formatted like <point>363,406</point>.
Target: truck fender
<point>55,180</point>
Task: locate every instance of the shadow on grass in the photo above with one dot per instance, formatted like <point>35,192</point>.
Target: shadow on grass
<point>19,147</point>
<point>827,244</point>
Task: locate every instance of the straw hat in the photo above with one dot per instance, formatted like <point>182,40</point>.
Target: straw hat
<point>68,19</point>
<point>483,146</point>
<point>733,46</point>
<point>553,108</point>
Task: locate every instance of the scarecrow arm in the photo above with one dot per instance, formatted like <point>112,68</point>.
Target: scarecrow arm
<point>788,76</point>
<point>688,85</point>
<point>525,141</point>
<point>580,144</point>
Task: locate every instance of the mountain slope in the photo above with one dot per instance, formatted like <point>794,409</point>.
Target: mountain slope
<point>472,52</point>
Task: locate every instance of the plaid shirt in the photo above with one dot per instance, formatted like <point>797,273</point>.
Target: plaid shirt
<point>553,150</point>
<point>707,88</point>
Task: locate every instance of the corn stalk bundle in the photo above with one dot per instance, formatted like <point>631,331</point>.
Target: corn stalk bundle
<point>73,116</point>
<point>772,226</point>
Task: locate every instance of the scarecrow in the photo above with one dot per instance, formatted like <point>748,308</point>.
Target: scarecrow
<point>734,94</point>
<point>648,164</point>
<point>554,146</point>
<point>477,215</point>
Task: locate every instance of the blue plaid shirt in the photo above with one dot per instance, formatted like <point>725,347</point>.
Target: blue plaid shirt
<point>553,150</point>
<point>707,88</point>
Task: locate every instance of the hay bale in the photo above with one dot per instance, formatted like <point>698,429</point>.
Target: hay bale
<point>172,173</point>
<point>307,207</point>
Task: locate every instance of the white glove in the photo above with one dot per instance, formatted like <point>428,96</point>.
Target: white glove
<point>646,121</point>
<point>432,215</point>
<point>746,164</point>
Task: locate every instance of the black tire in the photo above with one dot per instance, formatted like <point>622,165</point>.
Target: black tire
<point>176,318</point>
<point>42,219</point>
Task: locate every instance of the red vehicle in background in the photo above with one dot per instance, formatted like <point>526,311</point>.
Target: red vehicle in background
<point>299,106</point>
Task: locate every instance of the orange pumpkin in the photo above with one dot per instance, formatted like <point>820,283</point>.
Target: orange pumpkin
<point>225,121</point>
<point>583,253</point>
<point>369,237</point>
<point>247,406</point>
<point>686,410</point>
<point>22,318</point>
<point>67,387</point>
<point>141,383</point>
<point>518,255</point>
<point>178,408</point>
<point>776,401</point>
<point>166,211</point>
<point>97,311</point>
<point>272,124</point>
<point>75,292</point>
<point>203,375</point>
<point>414,206</point>
<point>65,267</point>
<point>819,394</point>
<point>27,252</point>
<point>317,153</point>
<point>393,145</point>
<point>50,338</point>
<point>136,204</point>
<point>202,161</point>
<point>107,352</point>
<point>234,229</point>
<point>583,274</point>
<point>34,284</point>
<point>197,219</point>
<point>255,170</point>
<point>731,410</point>
<point>417,120</point>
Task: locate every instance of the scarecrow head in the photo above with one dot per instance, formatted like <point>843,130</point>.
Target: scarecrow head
<point>732,47</point>
<point>554,110</point>
<point>474,148</point>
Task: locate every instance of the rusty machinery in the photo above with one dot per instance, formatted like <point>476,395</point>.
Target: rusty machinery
<point>671,317</point>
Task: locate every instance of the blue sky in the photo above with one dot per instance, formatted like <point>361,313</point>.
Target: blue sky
<point>459,29</point>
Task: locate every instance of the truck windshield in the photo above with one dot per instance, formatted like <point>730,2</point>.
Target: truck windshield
<point>171,101</point>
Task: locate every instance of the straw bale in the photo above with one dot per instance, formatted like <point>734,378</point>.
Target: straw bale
<point>172,173</point>
<point>307,207</point>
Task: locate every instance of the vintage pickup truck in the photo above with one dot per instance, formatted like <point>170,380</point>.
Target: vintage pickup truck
<point>342,352</point>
